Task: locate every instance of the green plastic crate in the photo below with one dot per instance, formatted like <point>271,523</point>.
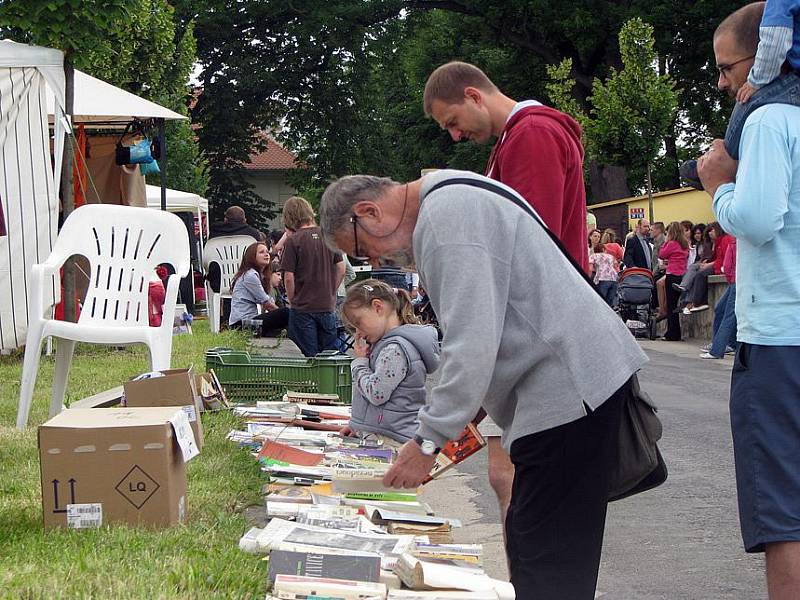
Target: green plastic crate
<point>249,378</point>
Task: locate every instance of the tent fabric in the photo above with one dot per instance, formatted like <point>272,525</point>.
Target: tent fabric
<point>99,102</point>
<point>27,192</point>
<point>176,201</point>
<point>112,183</point>
<point>48,61</point>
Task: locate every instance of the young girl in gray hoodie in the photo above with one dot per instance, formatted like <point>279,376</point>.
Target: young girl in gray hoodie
<point>393,356</point>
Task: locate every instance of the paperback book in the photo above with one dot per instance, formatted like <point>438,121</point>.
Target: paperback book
<point>456,451</point>
<point>421,575</point>
<point>328,587</point>
<point>355,567</point>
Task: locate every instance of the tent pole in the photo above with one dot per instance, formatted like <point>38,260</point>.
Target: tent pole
<point>163,163</point>
<point>67,199</point>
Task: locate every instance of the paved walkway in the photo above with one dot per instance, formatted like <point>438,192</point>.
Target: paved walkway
<point>680,541</point>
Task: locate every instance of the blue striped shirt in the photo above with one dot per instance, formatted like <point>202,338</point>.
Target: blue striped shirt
<point>779,40</point>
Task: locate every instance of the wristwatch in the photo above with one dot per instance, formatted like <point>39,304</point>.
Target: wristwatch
<point>427,446</point>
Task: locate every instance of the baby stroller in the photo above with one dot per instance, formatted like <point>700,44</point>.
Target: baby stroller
<point>635,289</point>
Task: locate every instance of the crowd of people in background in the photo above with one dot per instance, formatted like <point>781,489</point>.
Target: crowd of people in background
<point>681,256</point>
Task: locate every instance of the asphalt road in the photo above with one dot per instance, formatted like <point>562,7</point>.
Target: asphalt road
<point>680,541</point>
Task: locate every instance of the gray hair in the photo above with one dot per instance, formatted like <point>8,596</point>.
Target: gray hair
<point>336,206</point>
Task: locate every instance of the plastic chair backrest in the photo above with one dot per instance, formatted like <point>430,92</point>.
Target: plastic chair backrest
<point>123,245</point>
<point>227,252</point>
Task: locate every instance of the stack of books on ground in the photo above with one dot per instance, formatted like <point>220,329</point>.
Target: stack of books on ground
<point>333,529</point>
<point>357,575</point>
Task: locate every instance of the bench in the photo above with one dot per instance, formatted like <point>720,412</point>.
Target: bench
<point>700,325</point>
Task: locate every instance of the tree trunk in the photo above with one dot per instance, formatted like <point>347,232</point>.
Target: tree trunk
<point>650,195</point>
<point>67,198</point>
<point>608,182</point>
<point>671,146</point>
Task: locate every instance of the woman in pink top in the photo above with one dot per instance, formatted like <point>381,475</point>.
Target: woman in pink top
<point>675,251</point>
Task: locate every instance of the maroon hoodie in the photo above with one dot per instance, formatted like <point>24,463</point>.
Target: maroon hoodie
<point>539,154</point>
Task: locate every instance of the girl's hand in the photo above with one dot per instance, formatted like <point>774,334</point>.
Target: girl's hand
<point>361,347</point>
<point>346,431</point>
<point>744,93</point>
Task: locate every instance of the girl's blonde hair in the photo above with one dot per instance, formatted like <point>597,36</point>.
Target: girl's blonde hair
<point>362,293</point>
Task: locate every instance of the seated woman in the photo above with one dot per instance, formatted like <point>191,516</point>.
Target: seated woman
<point>698,293</point>
<point>701,249</point>
<point>249,294</point>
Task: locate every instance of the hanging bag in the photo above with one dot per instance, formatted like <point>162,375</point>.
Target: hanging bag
<point>640,466</point>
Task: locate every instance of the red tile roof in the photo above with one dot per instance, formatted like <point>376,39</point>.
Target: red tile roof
<point>274,158</point>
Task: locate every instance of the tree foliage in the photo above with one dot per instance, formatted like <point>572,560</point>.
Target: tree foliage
<point>138,46</point>
<point>340,83</point>
<point>630,112</point>
<point>75,26</point>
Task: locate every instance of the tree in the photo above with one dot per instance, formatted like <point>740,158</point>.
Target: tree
<point>137,46</point>
<point>631,112</point>
<point>310,72</point>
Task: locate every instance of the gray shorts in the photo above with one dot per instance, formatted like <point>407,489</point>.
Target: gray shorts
<point>488,428</point>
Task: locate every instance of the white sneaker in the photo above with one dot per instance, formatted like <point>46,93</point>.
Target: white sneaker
<point>730,350</point>
<point>699,308</point>
<point>708,355</point>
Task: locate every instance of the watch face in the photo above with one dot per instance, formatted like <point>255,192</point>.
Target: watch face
<point>428,447</point>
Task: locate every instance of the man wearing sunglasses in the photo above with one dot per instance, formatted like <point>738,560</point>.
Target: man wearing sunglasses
<point>758,201</point>
<point>537,348</point>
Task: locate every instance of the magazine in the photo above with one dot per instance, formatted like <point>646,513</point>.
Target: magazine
<point>286,535</point>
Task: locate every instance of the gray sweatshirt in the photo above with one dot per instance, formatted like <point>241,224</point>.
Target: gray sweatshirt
<point>536,343</point>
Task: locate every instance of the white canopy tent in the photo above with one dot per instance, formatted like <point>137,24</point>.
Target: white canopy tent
<point>32,92</point>
<point>28,182</point>
<point>178,201</point>
<point>99,102</point>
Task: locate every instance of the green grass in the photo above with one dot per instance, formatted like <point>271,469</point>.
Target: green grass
<point>199,559</point>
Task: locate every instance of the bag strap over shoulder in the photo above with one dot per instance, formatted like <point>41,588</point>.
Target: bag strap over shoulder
<point>496,189</point>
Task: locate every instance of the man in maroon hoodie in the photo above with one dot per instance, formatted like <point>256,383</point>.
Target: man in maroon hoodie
<point>538,152</point>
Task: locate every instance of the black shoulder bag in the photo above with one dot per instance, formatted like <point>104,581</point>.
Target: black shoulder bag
<point>640,466</point>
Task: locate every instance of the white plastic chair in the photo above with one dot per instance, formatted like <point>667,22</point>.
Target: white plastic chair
<point>226,252</point>
<point>123,245</point>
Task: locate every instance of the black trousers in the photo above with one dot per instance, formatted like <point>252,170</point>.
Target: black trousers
<point>555,524</point>
<point>271,322</point>
<point>673,332</point>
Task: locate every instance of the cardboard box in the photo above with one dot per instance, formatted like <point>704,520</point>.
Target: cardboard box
<point>115,465</point>
<point>175,388</point>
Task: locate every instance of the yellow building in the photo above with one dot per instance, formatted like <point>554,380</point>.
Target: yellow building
<point>672,205</point>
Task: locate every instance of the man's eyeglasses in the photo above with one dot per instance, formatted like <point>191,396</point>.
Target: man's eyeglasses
<point>357,255</point>
<point>725,69</point>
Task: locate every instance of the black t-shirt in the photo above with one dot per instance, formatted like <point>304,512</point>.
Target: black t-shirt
<point>314,268</point>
